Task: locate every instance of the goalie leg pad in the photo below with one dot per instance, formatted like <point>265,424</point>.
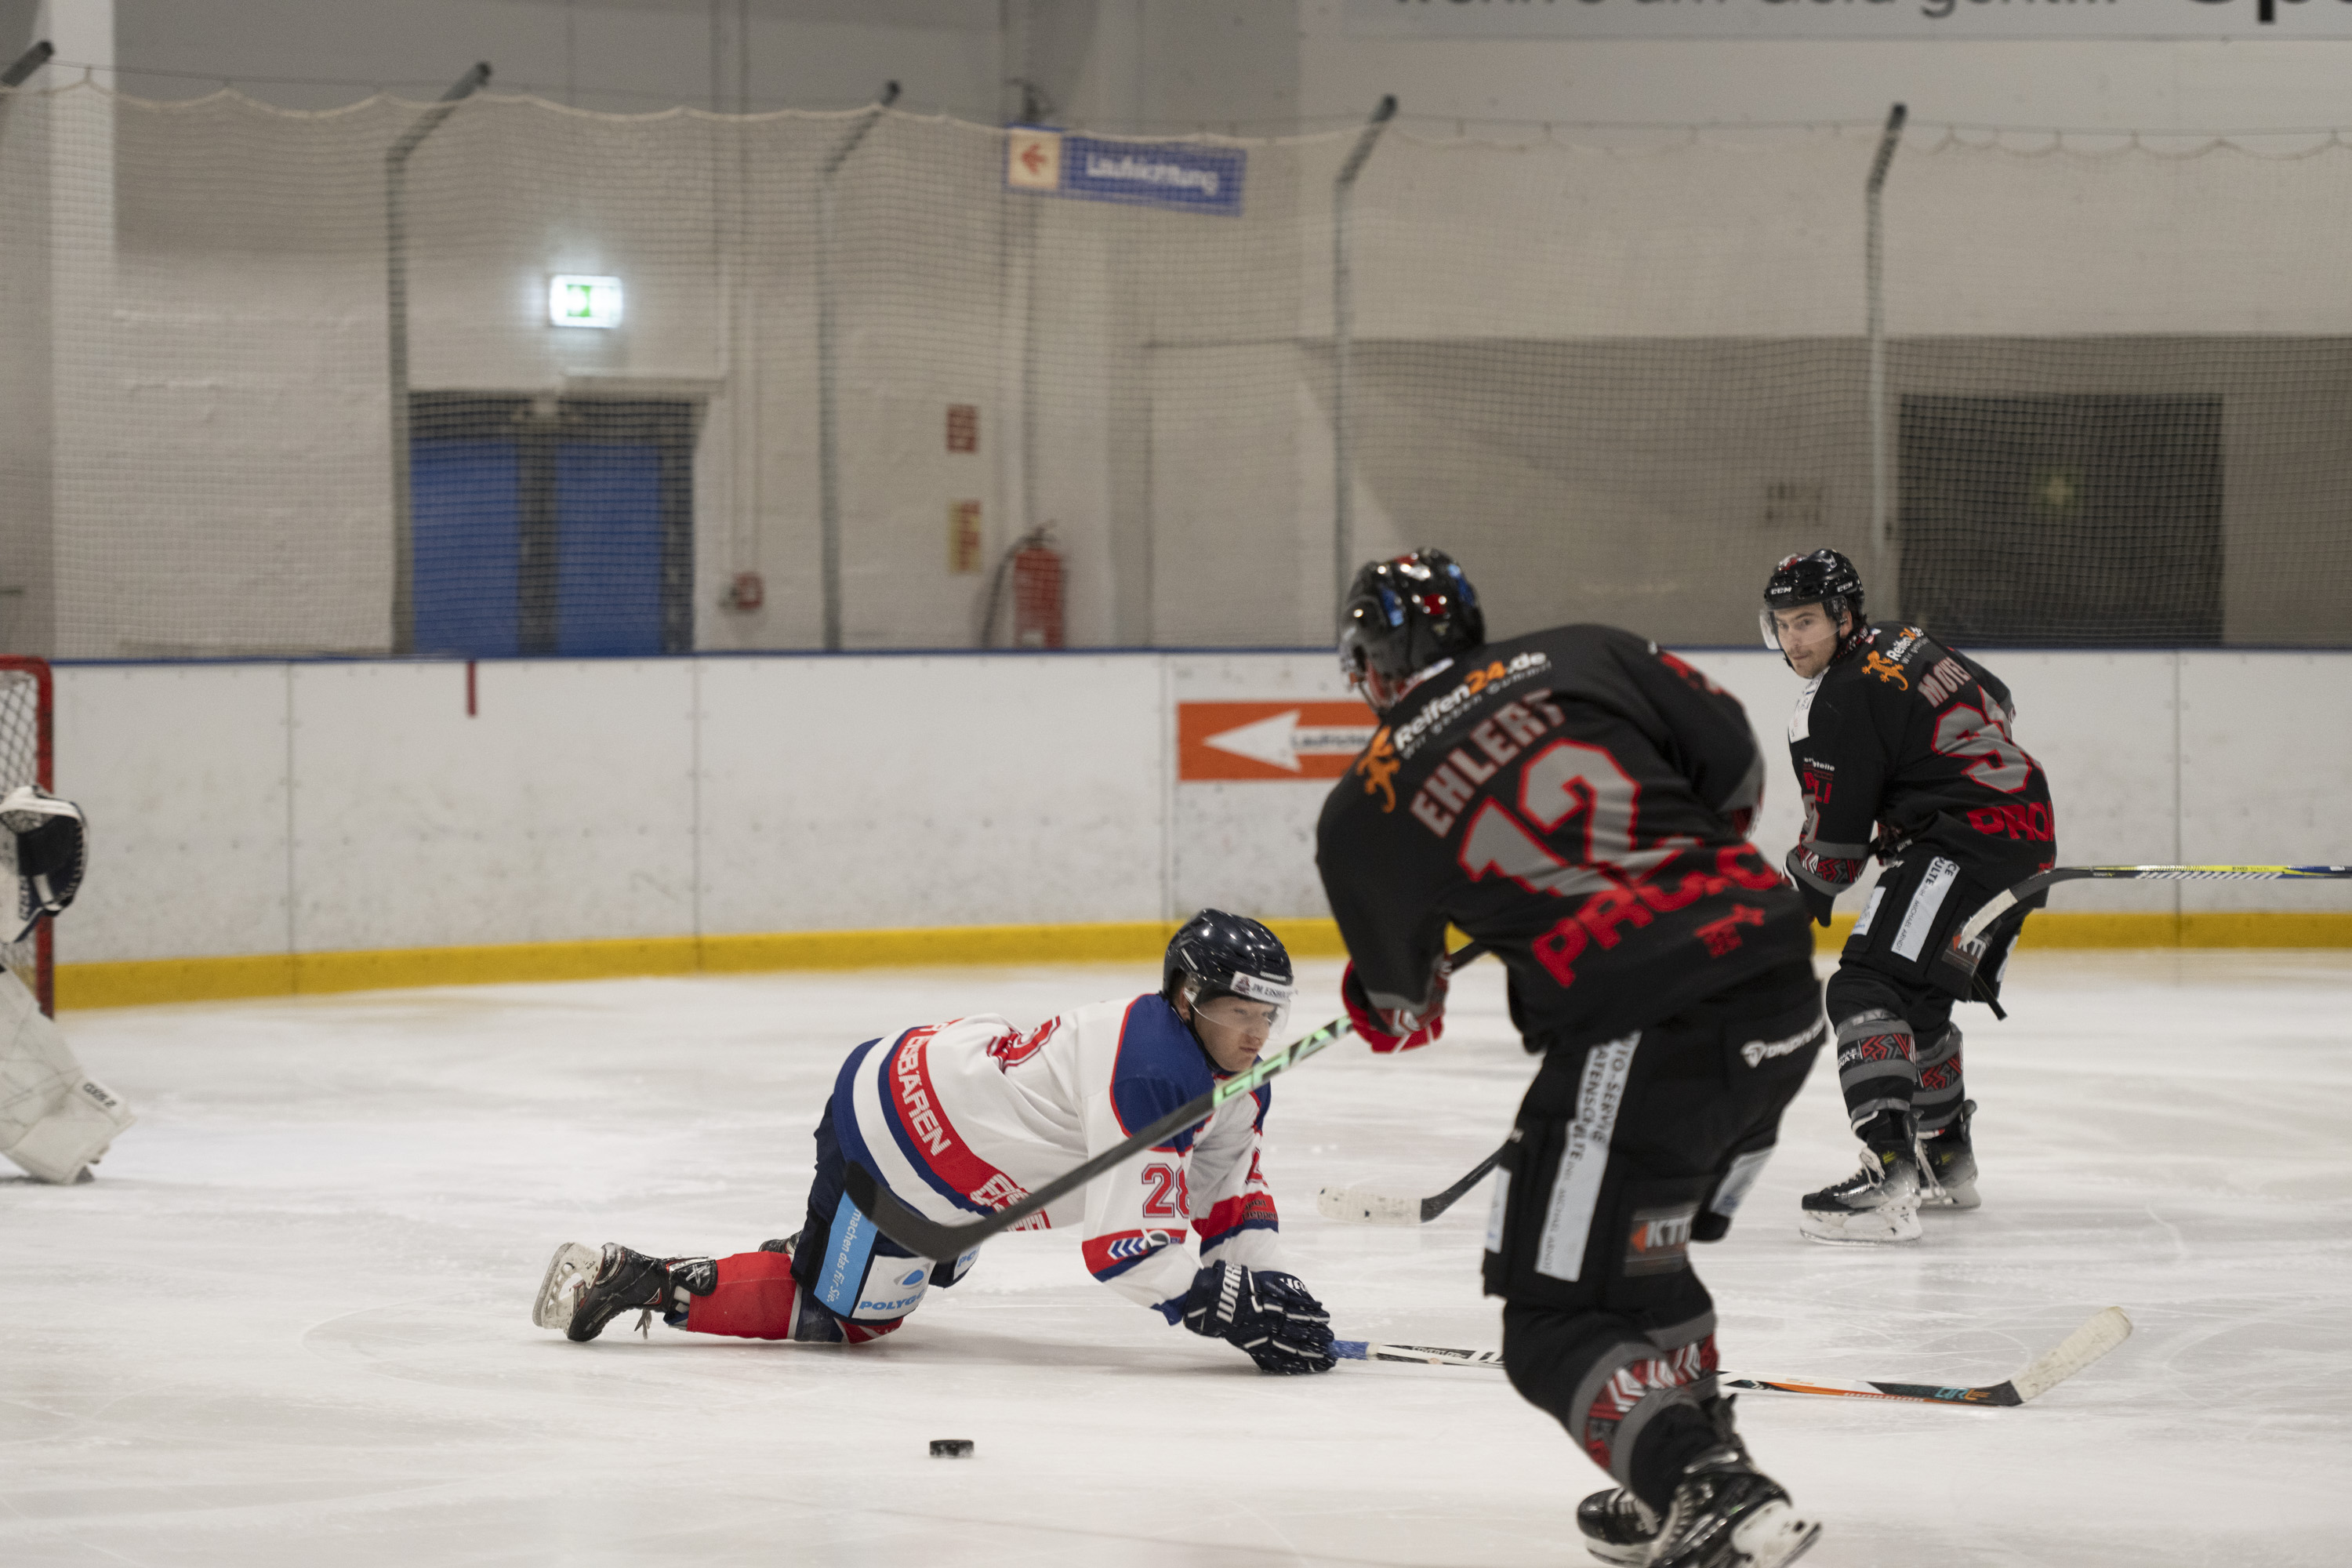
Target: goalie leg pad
<point>55,1120</point>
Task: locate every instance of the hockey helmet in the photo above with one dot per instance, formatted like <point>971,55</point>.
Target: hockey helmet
<point>1825,578</point>
<point>1403,614</point>
<point>1228,956</point>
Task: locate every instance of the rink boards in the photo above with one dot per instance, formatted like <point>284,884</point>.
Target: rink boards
<point>268,827</point>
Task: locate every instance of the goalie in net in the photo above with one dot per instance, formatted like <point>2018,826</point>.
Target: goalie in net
<point>56,1120</point>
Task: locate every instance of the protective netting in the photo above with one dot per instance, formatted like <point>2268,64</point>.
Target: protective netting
<point>1617,381</point>
<point>24,760</point>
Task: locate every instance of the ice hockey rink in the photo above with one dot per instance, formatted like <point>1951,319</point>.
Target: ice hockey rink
<point>289,1323</point>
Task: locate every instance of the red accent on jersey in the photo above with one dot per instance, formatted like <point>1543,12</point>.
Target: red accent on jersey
<point>1236,1214</point>
<point>935,1139</point>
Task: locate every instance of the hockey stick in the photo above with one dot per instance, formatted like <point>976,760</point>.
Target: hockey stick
<point>929,1238</point>
<point>2001,904</point>
<point>2101,1333</point>
<point>1355,1205</point>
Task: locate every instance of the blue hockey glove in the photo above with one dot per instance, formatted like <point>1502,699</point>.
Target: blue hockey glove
<point>1269,1317</point>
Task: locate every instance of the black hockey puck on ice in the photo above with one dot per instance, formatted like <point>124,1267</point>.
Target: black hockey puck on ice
<point>950,1448</point>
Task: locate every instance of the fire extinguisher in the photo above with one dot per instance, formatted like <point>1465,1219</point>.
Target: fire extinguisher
<point>1035,567</point>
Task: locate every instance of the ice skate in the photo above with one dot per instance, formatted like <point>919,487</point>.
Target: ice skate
<point>585,1289</point>
<point>1947,1165</point>
<point>1729,1514</point>
<point>1619,1528</point>
<point>1878,1203</point>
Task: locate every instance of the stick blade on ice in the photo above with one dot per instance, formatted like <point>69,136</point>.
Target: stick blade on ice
<point>2102,1333</point>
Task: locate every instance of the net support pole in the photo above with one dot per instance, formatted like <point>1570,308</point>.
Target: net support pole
<point>1343,328</point>
<point>1875,287</point>
<point>396,269</point>
<point>26,63</point>
<point>24,66</point>
<point>829,432</point>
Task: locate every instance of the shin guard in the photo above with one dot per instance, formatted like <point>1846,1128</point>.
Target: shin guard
<point>1941,1089</point>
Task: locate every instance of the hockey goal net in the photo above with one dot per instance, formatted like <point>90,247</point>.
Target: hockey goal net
<point>24,758</point>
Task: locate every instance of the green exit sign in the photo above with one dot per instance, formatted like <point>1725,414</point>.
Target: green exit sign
<point>574,301</point>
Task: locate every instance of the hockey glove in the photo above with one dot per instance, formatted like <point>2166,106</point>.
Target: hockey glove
<point>51,851</point>
<point>1387,1029</point>
<point>1269,1317</point>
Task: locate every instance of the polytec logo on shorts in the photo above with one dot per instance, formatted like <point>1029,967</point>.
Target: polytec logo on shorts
<point>893,1303</point>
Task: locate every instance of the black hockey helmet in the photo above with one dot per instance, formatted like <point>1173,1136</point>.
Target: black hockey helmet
<point>1228,956</point>
<point>1825,578</point>
<point>1404,614</point>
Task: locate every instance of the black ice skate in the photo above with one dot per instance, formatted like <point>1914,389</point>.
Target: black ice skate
<point>1878,1203</point>
<point>585,1289</point>
<point>1948,1165</point>
<point>1619,1528</point>
<point>1729,1514</point>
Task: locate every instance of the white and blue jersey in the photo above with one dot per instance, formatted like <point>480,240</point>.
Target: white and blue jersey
<point>963,1118</point>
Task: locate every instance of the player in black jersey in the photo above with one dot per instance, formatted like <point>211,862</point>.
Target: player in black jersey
<point>1578,801</point>
<point>1903,749</point>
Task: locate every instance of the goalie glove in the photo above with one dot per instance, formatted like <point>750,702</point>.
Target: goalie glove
<point>1268,1316</point>
<point>1387,1029</point>
<point>52,850</point>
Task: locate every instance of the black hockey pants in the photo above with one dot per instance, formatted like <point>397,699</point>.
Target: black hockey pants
<point>1891,999</point>
<point>1623,1152</point>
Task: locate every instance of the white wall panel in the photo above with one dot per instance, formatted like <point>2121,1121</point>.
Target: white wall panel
<point>183,770</point>
<point>842,794</point>
<point>848,792</point>
<point>1249,847</point>
<point>2266,751</point>
<point>2102,724</point>
<point>562,809</point>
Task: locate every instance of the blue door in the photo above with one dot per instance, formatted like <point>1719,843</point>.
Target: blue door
<point>466,502</point>
<point>608,551</point>
<point>532,534</point>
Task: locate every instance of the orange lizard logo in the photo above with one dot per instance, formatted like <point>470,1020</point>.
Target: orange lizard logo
<point>1378,766</point>
<point>1879,665</point>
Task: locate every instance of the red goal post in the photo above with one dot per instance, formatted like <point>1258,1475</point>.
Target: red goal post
<point>26,755</point>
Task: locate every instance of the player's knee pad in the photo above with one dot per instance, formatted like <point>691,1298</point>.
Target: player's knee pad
<point>1877,1054</point>
<point>1941,1087</point>
<point>1605,1379</point>
<point>756,1297</point>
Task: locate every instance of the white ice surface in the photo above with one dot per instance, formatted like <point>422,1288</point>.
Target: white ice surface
<point>289,1323</point>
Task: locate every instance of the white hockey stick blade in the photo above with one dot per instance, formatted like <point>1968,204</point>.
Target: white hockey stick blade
<point>1354,1205</point>
<point>1426,1355</point>
<point>2102,1333</point>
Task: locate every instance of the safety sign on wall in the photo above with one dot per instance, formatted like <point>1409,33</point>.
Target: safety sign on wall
<point>1231,741</point>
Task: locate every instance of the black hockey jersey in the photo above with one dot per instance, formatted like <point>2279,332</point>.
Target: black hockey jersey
<point>1578,801</point>
<point>1901,732</point>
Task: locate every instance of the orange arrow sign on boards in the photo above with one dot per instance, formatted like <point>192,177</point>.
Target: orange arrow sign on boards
<point>1218,741</point>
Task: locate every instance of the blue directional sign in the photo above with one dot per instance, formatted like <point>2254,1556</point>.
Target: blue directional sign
<point>1185,175</point>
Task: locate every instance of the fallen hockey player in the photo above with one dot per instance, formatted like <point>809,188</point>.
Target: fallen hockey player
<point>55,1119</point>
<point>961,1117</point>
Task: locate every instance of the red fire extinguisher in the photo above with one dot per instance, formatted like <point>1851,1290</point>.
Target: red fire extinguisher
<point>1036,593</point>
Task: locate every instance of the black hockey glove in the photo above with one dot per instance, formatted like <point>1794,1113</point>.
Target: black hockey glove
<point>1269,1316</point>
<point>51,851</point>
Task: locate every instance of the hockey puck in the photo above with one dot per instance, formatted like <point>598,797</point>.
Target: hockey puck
<point>950,1448</point>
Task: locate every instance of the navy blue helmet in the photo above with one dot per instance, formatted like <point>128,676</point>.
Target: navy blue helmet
<point>1229,955</point>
